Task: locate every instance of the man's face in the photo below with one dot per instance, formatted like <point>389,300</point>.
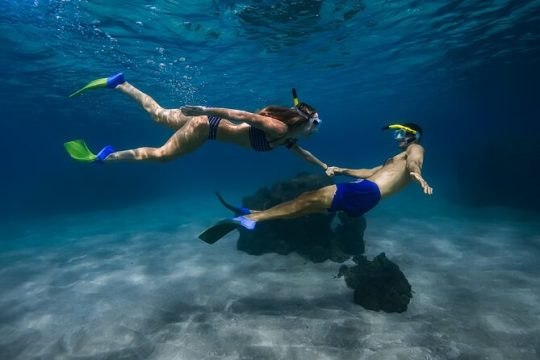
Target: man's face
<point>404,142</point>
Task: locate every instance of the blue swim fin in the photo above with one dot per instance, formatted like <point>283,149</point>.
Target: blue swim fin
<point>219,230</point>
<point>111,82</point>
<point>245,222</point>
<point>78,150</point>
<point>222,228</point>
<point>103,153</point>
<point>237,210</point>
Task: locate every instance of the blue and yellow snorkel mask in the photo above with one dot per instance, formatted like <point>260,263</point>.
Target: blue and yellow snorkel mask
<point>402,132</point>
<point>313,119</point>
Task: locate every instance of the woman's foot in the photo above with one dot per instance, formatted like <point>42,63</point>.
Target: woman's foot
<point>115,80</point>
<point>102,155</point>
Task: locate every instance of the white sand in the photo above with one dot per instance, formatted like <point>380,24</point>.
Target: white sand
<point>97,288</point>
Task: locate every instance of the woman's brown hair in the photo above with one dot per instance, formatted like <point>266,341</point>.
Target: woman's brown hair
<point>291,117</point>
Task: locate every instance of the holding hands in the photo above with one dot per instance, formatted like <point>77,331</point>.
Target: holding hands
<point>331,170</point>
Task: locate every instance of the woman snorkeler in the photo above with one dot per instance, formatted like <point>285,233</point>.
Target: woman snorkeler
<point>271,127</point>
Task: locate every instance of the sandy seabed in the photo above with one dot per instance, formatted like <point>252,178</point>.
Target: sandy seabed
<point>97,288</point>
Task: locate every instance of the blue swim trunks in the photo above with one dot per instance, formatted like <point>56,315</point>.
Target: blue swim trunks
<point>355,198</point>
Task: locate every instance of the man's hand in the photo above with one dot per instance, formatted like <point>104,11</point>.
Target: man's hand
<point>427,189</point>
<point>190,110</point>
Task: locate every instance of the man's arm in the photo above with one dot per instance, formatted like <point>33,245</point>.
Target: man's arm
<point>309,157</point>
<point>415,159</point>
<point>267,124</point>
<point>357,173</point>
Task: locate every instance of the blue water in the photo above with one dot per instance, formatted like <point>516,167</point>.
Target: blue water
<point>72,233</point>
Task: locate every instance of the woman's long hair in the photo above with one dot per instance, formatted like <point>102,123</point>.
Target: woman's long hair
<point>291,117</point>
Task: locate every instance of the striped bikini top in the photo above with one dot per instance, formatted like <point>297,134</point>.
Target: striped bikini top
<point>257,137</point>
<point>257,140</point>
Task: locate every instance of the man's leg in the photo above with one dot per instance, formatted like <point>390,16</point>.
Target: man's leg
<point>310,202</point>
<point>172,118</point>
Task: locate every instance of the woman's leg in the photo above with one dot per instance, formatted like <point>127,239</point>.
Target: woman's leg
<point>310,202</point>
<point>172,118</point>
<point>192,135</point>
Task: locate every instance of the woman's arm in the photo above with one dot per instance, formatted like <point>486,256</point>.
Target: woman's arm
<point>267,124</point>
<point>357,173</point>
<point>309,157</point>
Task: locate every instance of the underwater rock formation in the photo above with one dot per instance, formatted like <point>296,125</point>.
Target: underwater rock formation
<point>311,236</point>
<point>378,284</point>
<point>348,232</point>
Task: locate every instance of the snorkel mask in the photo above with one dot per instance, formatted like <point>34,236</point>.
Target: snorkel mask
<point>314,120</point>
<point>402,132</point>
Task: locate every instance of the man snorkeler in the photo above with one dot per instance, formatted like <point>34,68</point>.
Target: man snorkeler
<point>354,198</point>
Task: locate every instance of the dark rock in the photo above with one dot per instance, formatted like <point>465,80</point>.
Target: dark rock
<point>280,192</point>
<point>349,235</point>
<point>338,255</point>
<point>311,236</point>
<point>378,284</point>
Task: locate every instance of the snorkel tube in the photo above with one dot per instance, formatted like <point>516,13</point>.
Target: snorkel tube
<point>296,106</point>
<point>405,129</point>
<point>296,102</point>
<point>400,127</point>
<point>313,119</point>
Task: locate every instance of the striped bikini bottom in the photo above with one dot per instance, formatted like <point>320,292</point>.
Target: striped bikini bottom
<point>257,137</point>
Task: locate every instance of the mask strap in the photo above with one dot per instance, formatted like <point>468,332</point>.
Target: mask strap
<point>304,115</point>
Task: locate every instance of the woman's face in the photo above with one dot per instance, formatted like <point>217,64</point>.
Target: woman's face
<point>313,124</point>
